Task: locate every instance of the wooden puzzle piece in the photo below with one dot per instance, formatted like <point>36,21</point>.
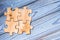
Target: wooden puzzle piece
<point>11,27</point>
<point>26,13</point>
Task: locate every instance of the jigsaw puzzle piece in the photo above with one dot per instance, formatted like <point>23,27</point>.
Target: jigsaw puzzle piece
<point>27,27</point>
<point>11,27</point>
<point>25,15</point>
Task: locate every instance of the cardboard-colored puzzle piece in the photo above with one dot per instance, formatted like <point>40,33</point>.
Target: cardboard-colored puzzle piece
<point>11,27</point>
<point>26,13</point>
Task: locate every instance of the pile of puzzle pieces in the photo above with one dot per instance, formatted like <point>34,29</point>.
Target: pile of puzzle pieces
<point>18,20</point>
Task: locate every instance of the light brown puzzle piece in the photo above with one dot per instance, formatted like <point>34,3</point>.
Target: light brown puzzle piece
<point>26,12</point>
<point>11,27</point>
<point>25,15</point>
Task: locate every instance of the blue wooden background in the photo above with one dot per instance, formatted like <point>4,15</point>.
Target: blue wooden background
<point>45,19</point>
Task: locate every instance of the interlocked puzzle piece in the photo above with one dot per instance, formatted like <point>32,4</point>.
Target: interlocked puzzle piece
<point>18,20</point>
<point>25,15</point>
<point>11,27</point>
